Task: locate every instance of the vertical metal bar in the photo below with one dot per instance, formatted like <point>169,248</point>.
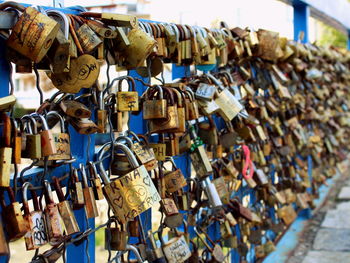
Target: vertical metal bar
<point>348,39</point>
<point>301,13</point>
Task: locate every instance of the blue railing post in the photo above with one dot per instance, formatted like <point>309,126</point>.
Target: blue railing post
<point>301,14</point>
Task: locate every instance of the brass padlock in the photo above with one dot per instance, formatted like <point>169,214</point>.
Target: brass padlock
<point>181,115</point>
<point>15,225</point>
<point>52,217</point>
<point>83,126</point>
<point>33,34</point>
<point>48,146</point>
<point>76,191</point>
<point>61,140</point>
<point>65,208</point>
<point>32,148</point>
<point>5,151</point>
<point>75,109</point>
<point>174,180</point>
<point>127,100</point>
<point>89,197</point>
<point>130,194</point>
<point>154,106</point>
<point>115,238</point>
<point>192,112</point>
<point>16,143</point>
<point>97,185</point>
<point>58,54</point>
<point>37,235</point>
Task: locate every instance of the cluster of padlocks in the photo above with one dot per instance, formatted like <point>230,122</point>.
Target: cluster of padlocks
<point>261,112</point>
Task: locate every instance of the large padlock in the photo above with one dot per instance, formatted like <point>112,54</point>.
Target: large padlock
<point>127,100</point>
<point>130,194</point>
<point>15,224</point>
<point>52,217</point>
<point>83,73</point>
<point>65,208</point>
<point>37,235</point>
<point>154,106</point>
<point>5,151</point>
<point>61,140</point>
<point>33,34</point>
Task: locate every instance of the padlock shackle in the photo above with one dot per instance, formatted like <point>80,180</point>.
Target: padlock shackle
<point>124,140</point>
<point>56,13</point>
<point>83,175</point>
<point>129,79</point>
<point>25,187</point>
<point>93,170</point>
<point>48,192</point>
<point>13,5</point>
<point>27,118</point>
<point>58,189</point>
<point>178,98</point>
<point>42,119</point>
<point>56,114</point>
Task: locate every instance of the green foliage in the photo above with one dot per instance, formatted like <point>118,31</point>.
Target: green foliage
<point>331,36</point>
<point>100,237</point>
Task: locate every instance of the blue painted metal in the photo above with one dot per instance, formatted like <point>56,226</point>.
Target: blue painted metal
<point>301,13</point>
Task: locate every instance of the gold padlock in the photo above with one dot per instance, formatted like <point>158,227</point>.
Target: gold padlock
<point>127,100</point>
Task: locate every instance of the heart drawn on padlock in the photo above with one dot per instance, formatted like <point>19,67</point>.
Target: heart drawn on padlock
<point>119,201</point>
<point>83,73</point>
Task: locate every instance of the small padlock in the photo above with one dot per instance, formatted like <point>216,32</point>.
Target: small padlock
<point>52,217</point>
<point>97,186</point>
<point>76,191</point>
<point>115,238</point>
<point>15,225</point>
<point>174,180</point>
<point>216,250</point>
<point>154,106</point>
<point>5,151</point>
<point>83,126</point>
<point>156,254</point>
<point>75,109</point>
<point>61,140</point>
<point>37,235</point>
<point>127,100</point>
<point>48,146</point>
<point>65,208</point>
<point>89,197</point>
<point>33,140</point>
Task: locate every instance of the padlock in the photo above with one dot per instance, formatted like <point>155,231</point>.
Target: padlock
<point>172,145</point>
<point>76,191</point>
<point>15,224</point>
<point>212,193</point>
<point>48,146</point>
<point>37,235</point>
<point>88,39</point>
<point>33,139</point>
<point>61,140</point>
<point>97,185</point>
<point>52,217</point>
<point>156,253</point>
<point>127,100</point>
<point>16,143</point>
<point>4,246</point>
<point>83,126</point>
<point>113,19</point>
<point>216,250</point>
<point>75,109</point>
<point>174,180</point>
<point>101,114</point>
<point>172,121</point>
<point>130,194</point>
<point>5,151</point>
<point>83,73</point>
<point>172,218</point>
<point>33,34</point>
<point>89,197</point>
<point>192,112</point>
<point>58,54</point>
<point>154,106</point>
<point>100,29</point>
<point>115,237</point>
<point>176,249</point>
<point>141,46</point>
<point>65,208</point>
<point>207,132</point>
<point>180,114</point>
<point>143,151</point>
<point>221,187</point>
